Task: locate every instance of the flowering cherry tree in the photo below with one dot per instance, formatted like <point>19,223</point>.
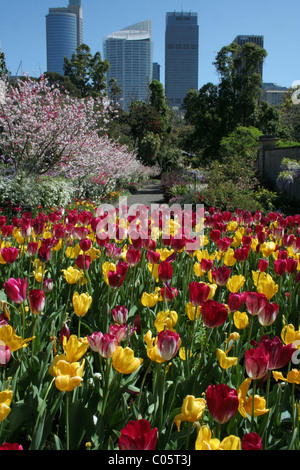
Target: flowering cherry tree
<point>48,132</point>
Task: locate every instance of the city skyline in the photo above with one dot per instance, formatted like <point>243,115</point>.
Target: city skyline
<point>23,31</point>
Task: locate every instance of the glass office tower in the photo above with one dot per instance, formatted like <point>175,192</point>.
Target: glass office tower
<point>181,56</point>
<point>129,53</point>
<point>64,34</point>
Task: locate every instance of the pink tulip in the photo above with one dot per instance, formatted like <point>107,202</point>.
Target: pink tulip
<point>36,301</point>
<point>16,289</point>
<point>167,344</point>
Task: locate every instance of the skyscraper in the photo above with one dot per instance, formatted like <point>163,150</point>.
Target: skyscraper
<point>64,34</point>
<point>129,53</point>
<point>181,56</point>
<point>241,40</point>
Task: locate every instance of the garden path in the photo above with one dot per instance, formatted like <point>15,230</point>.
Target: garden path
<point>150,193</point>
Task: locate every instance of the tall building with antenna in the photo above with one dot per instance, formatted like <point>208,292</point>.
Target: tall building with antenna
<point>181,56</point>
<point>63,34</point>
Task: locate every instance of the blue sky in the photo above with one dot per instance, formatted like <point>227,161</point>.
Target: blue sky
<point>23,30</point>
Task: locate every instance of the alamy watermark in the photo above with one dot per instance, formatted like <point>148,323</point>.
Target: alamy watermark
<point>296,94</point>
<point>157,220</point>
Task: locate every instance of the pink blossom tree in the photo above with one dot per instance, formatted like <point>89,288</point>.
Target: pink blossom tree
<point>47,132</point>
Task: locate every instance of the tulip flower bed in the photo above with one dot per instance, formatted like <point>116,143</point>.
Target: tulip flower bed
<point>142,342</point>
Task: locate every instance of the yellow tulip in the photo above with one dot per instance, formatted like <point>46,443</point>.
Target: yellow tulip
<point>5,401</point>
<point>73,275</point>
<point>17,236</point>
<point>192,311</point>
<point>166,320</point>
<point>10,339</point>
<point>289,334</point>
<point>240,319</point>
<point>68,375</point>
<point>153,268</point>
<point>235,283</point>
<point>232,226</point>
<point>152,352</point>
<point>229,259</point>
<point>230,443</point>
<point>197,270</point>
<point>75,348</point>
<point>81,303</point>
<point>191,410</point>
<point>293,377</point>
<point>225,361</point>
<point>267,248</point>
<point>149,300</point>
<point>245,403</point>
<point>269,288</point>
<point>204,440</point>
<point>124,361</point>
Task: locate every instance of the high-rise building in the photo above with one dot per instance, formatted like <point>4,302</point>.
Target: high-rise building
<point>241,40</point>
<point>156,71</point>
<point>181,56</point>
<point>129,53</point>
<point>64,34</point>
<point>273,94</point>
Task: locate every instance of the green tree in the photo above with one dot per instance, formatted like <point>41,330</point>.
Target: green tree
<point>158,99</point>
<point>86,71</point>
<point>240,84</point>
<point>3,69</point>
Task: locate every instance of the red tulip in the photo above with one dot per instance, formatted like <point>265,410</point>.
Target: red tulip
<point>83,261</point>
<point>137,435</point>
<point>268,314</point>
<point>241,254</point>
<point>223,244</point>
<point>279,354</point>
<point>10,254</point>
<point>206,264</point>
<point>255,302</point>
<point>153,256</point>
<point>44,253</point>
<point>235,301</point>
<point>5,354</point>
<point>251,441</point>
<point>133,256</point>
<point>119,331</point>
<point>291,265</point>
<point>85,244</point>
<point>222,402</point>
<point>263,265</point>
<point>213,313</point>
<point>8,446</point>
<point>167,344</point>
<point>36,301</point>
<point>16,289</point>
<point>64,332</point>
<point>25,228</point>
<point>199,292</point>
<point>168,293</point>
<point>257,361</point>
<point>32,248</point>
<point>7,230</point>
<point>112,250</point>
<point>280,267</point>
<point>107,345</point>
<point>165,271</point>
<point>221,275</point>
<point>120,314</point>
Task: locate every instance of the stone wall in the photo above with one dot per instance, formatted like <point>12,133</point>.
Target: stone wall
<point>269,161</point>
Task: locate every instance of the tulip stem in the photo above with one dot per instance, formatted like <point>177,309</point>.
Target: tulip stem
<point>253,405</point>
<point>67,420</point>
